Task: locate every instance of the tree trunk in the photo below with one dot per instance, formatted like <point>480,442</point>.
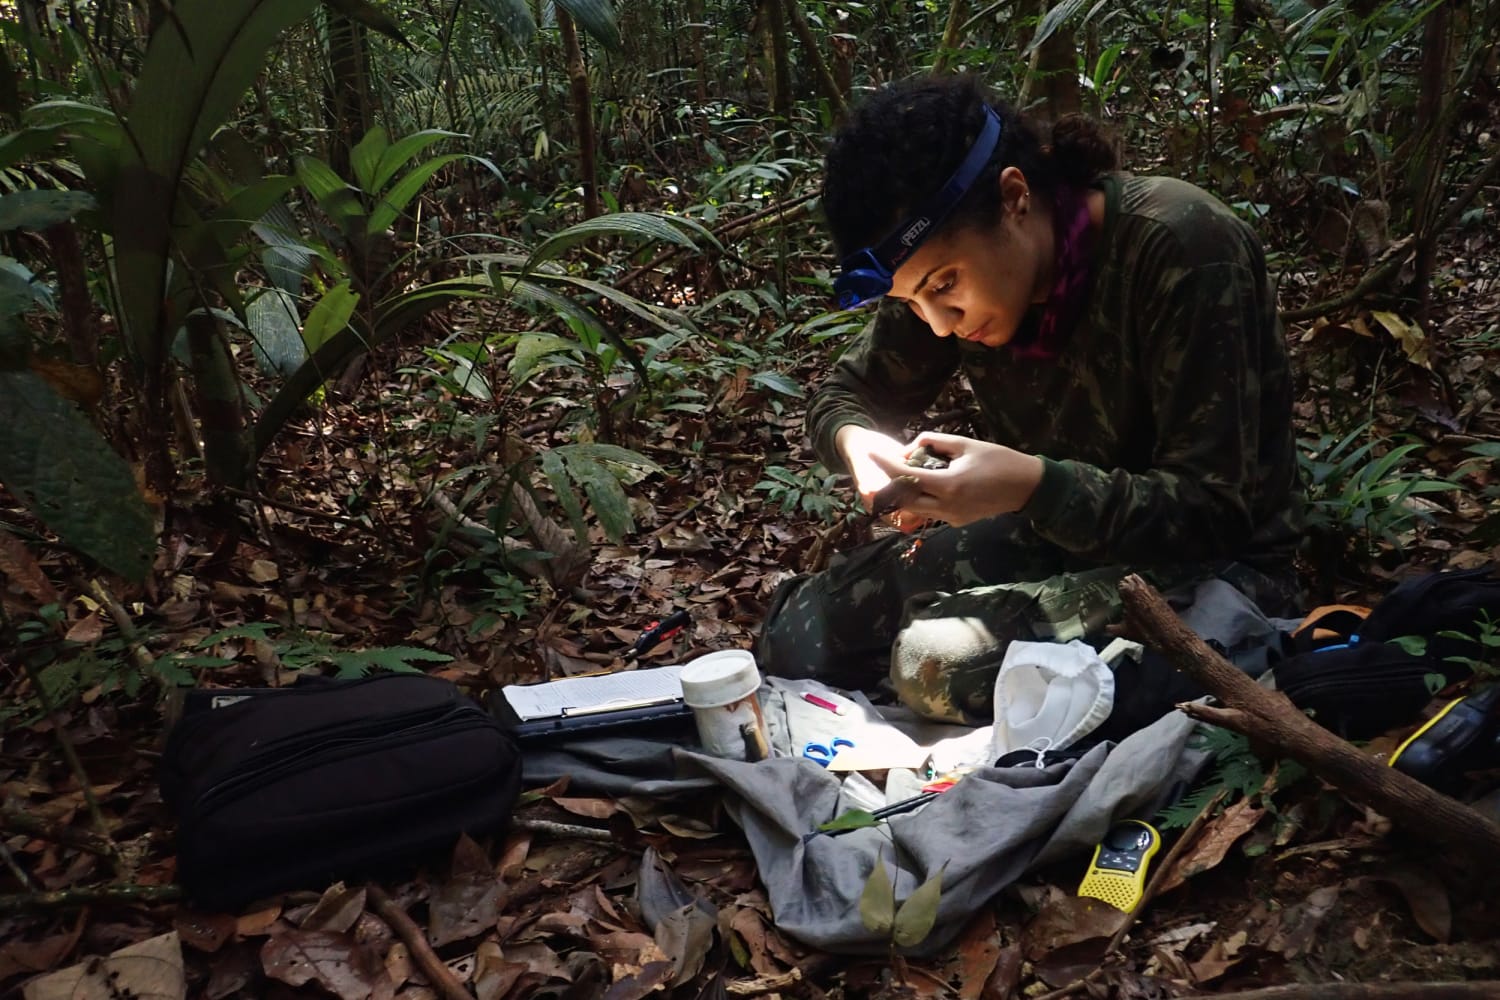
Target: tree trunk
<point>773,21</point>
<point>950,41</point>
<point>578,79</point>
<point>695,46</point>
<point>1426,182</point>
<point>216,386</point>
<point>73,294</point>
<point>349,107</point>
<point>836,98</point>
<point>1053,70</point>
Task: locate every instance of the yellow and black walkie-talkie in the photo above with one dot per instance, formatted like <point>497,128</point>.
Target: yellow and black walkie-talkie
<point>1117,874</point>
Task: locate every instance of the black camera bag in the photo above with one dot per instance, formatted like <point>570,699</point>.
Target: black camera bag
<point>296,787</point>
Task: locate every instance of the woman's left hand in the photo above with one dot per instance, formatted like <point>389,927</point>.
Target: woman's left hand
<point>981,479</point>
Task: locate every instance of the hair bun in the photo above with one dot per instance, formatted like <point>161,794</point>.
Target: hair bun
<point>1081,150</point>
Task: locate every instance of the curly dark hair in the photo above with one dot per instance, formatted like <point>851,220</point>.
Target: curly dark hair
<point>900,144</point>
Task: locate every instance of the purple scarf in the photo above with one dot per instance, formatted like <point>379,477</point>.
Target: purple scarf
<point>1074,241</point>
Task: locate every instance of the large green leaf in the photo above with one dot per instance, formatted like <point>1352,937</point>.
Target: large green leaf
<point>371,16</point>
<point>392,203</point>
<point>562,487</point>
<point>198,64</point>
<point>394,156</point>
<point>513,17</point>
<point>330,315</point>
<point>275,337</point>
<point>668,320</point>
<point>877,904</point>
<point>637,225</point>
<point>54,461</point>
<point>1055,18</point>
<point>602,487</point>
<point>597,19</point>
<point>364,158</point>
<point>334,196</point>
<point>917,915</point>
<point>40,209</point>
<point>27,142</point>
<point>286,257</point>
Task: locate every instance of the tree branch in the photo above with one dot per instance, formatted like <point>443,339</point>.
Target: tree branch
<point>439,976</point>
<point>63,898</point>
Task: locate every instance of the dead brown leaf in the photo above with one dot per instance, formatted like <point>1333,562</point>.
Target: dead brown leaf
<point>1068,963</point>
<point>257,922</point>
<point>513,855</point>
<point>233,968</point>
<point>1006,976</point>
<point>88,629</point>
<point>634,984</point>
<point>1223,955</point>
<point>468,903</point>
<point>398,964</point>
<point>974,956</point>
<point>206,932</point>
<point>1300,922</point>
<point>494,976</point>
<point>17,957</point>
<point>1427,897</point>
<point>751,931</point>
<point>334,961</point>
<point>149,970</point>
<point>17,562</point>
<point>337,911</point>
<point>1065,919</point>
<point>1214,841</point>
<point>591,808</point>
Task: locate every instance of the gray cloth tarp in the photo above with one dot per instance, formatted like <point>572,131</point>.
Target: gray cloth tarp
<point>991,828</point>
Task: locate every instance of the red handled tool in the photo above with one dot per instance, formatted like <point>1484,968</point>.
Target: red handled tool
<point>659,632</point>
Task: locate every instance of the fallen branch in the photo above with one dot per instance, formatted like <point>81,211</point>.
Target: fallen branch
<point>1272,719</point>
<point>531,567</point>
<point>765,984</point>
<point>564,830</point>
<point>143,659</point>
<point>64,898</point>
<point>439,976</point>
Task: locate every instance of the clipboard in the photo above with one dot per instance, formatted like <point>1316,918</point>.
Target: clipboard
<point>644,702</point>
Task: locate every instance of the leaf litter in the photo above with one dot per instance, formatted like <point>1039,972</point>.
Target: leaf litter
<point>530,915</point>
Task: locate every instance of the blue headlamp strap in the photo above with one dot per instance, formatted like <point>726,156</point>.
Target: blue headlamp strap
<point>867,273</point>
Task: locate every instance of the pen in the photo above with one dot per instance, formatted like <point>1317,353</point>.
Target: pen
<point>894,809</point>
<point>813,699</point>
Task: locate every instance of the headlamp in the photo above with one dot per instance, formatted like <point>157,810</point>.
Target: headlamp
<point>867,273</point>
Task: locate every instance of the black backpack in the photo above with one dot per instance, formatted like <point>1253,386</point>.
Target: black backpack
<point>1360,684</point>
<point>277,789</point>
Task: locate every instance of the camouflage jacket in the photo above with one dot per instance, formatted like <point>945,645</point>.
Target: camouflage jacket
<point>1164,421</point>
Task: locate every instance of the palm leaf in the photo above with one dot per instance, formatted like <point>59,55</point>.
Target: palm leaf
<point>597,19</point>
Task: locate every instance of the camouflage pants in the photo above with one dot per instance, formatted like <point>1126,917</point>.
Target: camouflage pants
<point>938,620</point>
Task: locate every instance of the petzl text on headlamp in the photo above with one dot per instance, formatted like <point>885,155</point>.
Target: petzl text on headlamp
<point>867,273</point>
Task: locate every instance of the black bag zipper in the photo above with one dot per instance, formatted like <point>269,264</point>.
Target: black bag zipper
<point>291,753</point>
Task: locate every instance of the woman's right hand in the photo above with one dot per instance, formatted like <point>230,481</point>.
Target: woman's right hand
<point>858,445</point>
